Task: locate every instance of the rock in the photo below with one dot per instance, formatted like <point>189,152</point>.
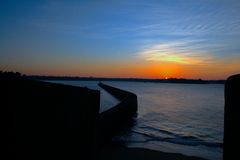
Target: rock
<point>232,118</point>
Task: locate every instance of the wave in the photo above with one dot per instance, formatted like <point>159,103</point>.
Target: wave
<point>175,138</point>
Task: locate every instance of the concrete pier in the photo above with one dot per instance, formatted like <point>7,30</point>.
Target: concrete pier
<point>48,121</point>
<point>54,121</point>
<point>119,117</point>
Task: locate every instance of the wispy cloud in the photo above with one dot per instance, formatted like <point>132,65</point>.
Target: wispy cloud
<point>202,33</point>
<point>192,18</point>
<point>175,51</point>
<point>140,19</point>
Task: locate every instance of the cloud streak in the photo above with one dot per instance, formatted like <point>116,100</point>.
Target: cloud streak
<point>201,34</point>
<point>176,51</point>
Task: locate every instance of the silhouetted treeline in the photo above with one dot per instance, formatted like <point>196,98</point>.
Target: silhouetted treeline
<point>11,74</point>
<point>170,80</point>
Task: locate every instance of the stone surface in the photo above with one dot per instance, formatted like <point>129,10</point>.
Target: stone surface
<point>48,121</point>
<point>232,118</point>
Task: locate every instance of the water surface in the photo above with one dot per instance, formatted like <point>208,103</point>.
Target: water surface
<point>181,118</point>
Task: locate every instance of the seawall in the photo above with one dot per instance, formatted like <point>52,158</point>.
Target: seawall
<point>119,117</point>
<point>48,121</point>
<point>51,121</point>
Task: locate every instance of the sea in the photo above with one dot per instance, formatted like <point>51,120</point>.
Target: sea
<point>175,118</point>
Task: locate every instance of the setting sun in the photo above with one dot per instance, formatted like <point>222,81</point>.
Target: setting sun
<point>164,64</point>
<point>104,41</point>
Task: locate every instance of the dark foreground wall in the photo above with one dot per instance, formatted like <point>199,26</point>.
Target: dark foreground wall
<point>48,121</point>
<point>119,117</point>
<point>232,118</point>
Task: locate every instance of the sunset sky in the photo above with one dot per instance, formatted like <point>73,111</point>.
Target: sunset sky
<point>121,38</point>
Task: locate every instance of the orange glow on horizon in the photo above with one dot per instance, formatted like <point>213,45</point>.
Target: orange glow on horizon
<point>139,69</point>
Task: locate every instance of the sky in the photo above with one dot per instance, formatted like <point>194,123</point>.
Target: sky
<point>127,38</point>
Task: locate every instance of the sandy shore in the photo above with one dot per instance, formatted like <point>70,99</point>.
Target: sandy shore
<point>122,153</point>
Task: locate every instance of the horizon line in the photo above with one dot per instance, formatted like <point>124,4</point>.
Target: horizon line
<point>102,77</point>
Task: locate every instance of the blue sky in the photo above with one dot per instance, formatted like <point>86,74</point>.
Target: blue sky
<point>88,37</point>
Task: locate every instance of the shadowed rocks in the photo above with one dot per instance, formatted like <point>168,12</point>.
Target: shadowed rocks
<point>232,118</point>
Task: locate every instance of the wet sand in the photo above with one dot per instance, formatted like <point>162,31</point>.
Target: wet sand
<point>122,153</point>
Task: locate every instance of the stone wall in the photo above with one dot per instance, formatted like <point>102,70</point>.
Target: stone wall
<point>119,117</point>
<point>51,121</point>
<point>48,121</point>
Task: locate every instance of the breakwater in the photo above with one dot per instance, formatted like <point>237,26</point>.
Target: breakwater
<point>120,116</point>
<point>48,121</point>
<point>51,121</point>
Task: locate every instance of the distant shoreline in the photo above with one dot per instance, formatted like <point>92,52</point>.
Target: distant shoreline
<point>170,80</point>
<point>76,78</point>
